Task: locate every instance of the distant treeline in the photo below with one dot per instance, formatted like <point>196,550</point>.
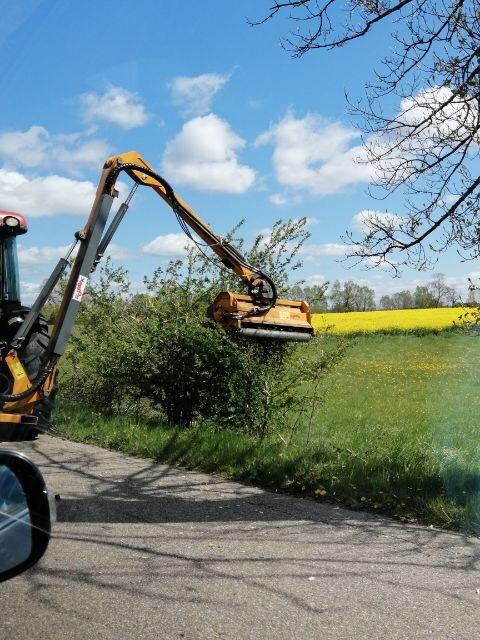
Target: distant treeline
<point>352,296</point>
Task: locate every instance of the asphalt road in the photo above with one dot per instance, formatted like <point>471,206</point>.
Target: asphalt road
<point>142,550</point>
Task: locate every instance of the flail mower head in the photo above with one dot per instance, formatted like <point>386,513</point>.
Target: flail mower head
<point>285,320</point>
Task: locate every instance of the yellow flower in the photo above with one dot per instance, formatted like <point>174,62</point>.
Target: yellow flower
<point>320,492</point>
<point>403,319</point>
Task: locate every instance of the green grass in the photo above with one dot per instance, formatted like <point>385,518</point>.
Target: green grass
<point>397,433</point>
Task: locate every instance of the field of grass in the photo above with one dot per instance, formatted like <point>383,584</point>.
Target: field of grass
<point>421,321</point>
<point>402,413</point>
<point>397,432</point>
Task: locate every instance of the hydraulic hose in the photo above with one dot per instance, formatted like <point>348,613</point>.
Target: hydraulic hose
<point>36,384</point>
<point>272,301</point>
<point>130,167</point>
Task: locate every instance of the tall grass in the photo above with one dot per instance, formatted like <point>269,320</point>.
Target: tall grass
<point>397,433</point>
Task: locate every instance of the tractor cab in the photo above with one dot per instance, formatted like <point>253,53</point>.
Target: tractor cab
<point>11,225</point>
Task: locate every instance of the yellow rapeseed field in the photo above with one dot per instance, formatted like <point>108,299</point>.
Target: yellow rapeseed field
<point>401,320</point>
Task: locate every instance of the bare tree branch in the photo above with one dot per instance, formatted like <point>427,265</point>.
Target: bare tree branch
<point>429,149</point>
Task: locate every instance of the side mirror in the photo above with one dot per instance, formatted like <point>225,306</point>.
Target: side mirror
<point>25,514</point>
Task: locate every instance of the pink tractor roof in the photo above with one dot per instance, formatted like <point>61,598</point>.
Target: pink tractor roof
<point>13,230</point>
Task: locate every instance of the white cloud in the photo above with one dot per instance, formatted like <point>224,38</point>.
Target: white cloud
<point>37,147</point>
<point>117,105</point>
<point>45,196</point>
<point>26,148</point>
<point>315,155</point>
<point>364,221</point>
<point>170,245</point>
<point>459,283</point>
<point>41,196</point>
<point>118,253</point>
<point>322,157</point>
<point>278,199</point>
<point>92,153</point>
<point>29,291</point>
<point>421,127</point>
<point>456,118</point>
<point>33,256</point>
<point>326,249</point>
<point>284,198</point>
<point>377,262</point>
<point>204,155</point>
<point>315,278</point>
<point>195,94</point>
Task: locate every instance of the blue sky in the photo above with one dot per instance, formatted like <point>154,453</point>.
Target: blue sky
<point>238,127</point>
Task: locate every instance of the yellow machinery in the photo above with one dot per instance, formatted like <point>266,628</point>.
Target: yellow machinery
<point>30,355</point>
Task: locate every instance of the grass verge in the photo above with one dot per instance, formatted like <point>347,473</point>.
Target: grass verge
<point>396,432</point>
<point>358,463</point>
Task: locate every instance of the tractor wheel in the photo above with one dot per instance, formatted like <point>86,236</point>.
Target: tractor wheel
<point>32,351</point>
<point>31,356</point>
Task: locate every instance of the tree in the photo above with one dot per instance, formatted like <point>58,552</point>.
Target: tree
<point>402,300</point>
<point>443,295</point>
<point>386,302</point>
<point>315,295</point>
<point>423,298</point>
<point>429,147</point>
<point>342,295</point>
<point>399,300</point>
<point>350,296</point>
<point>365,299</point>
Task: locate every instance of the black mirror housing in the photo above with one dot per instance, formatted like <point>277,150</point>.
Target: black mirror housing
<point>32,517</point>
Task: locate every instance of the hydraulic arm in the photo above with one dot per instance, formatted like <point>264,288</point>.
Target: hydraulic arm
<point>258,314</point>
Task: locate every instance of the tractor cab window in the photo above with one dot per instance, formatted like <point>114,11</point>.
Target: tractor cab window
<point>9,277</point>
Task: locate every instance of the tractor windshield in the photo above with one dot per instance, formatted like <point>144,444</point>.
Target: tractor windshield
<point>10,285</point>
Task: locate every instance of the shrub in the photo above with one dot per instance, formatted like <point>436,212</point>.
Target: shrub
<point>157,351</point>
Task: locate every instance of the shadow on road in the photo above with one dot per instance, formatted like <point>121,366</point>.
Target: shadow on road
<point>205,541</point>
<point>150,492</point>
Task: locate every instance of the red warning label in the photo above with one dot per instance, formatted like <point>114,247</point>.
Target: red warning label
<point>80,288</point>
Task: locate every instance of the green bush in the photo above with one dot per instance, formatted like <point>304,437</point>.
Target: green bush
<point>157,353</point>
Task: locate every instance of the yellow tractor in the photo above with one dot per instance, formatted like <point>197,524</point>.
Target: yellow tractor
<point>29,353</point>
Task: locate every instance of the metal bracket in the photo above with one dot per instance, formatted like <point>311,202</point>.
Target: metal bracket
<point>79,277</point>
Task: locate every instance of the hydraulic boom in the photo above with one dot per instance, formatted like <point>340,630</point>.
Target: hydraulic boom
<point>259,314</point>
